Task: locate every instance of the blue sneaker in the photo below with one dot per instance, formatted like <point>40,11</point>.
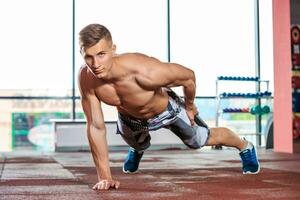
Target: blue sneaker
<point>249,160</point>
<point>131,164</point>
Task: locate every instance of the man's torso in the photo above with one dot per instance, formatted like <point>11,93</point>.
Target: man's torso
<point>130,97</point>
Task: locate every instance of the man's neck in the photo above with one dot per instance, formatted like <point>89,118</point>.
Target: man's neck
<point>113,74</point>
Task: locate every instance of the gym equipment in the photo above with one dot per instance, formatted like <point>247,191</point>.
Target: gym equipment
<point>258,110</point>
<point>296,57</point>
<point>237,78</point>
<point>247,95</point>
<point>296,82</point>
<point>295,101</point>
<point>296,127</point>
<point>295,35</point>
<point>265,109</point>
<point>295,47</point>
<point>236,110</point>
<point>220,95</point>
<point>268,132</point>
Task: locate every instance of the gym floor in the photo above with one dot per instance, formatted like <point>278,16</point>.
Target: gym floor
<point>165,174</point>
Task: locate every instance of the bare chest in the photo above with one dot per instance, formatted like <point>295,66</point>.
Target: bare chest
<point>126,94</point>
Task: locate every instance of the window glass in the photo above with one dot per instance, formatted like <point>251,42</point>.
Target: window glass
<point>214,38</point>
<point>36,46</point>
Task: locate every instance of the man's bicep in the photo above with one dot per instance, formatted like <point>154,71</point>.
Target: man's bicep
<point>154,75</point>
<point>169,75</point>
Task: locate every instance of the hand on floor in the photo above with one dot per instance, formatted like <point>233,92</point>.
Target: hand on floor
<point>106,184</point>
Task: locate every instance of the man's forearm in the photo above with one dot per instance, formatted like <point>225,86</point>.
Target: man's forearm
<point>99,149</point>
<point>189,90</point>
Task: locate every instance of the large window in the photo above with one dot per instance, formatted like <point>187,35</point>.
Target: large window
<point>36,60</point>
<point>36,47</point>
<point>213,38</point>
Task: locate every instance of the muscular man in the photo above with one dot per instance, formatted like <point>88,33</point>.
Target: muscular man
<point>138,86</point>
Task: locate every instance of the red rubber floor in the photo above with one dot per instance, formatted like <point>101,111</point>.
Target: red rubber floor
<point>166,174</point>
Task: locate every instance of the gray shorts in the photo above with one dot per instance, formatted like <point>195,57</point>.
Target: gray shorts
<point>135,131</point>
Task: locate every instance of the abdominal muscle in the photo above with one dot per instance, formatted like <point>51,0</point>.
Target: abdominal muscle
<point>153,107</point>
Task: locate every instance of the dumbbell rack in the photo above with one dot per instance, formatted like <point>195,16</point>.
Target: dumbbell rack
<point>257,96</point>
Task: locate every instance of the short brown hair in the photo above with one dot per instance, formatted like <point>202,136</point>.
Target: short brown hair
<point>93,33</point>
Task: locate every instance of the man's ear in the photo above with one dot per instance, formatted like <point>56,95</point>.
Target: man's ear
<point>114,48</point>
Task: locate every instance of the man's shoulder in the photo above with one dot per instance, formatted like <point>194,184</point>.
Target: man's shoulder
<point>82,74</point>
<point>85,83</point>
<point>83,68</point>
<point>134,57</point>
<point>135,60</point>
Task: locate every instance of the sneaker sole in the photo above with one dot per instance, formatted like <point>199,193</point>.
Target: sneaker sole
<point>129,172</point>
<point>248,172</point>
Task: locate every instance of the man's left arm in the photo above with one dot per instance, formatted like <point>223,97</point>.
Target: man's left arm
<point>158,74</point>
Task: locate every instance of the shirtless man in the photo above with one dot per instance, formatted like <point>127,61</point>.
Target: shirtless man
<point>138,86</point>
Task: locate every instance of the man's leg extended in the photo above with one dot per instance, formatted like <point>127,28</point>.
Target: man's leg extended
<point>201,135</point>
<point>224,136</point>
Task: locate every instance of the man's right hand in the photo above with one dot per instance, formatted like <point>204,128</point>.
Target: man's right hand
<point>106,184</point>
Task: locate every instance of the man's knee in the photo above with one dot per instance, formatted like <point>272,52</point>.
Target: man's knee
<point>193,144</point>
<point>199,139</point>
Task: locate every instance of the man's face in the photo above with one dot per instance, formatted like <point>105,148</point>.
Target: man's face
<point>99,57</point>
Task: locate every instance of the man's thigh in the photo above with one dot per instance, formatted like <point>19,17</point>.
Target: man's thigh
<point>193,136</point>
<point>137,139</point>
